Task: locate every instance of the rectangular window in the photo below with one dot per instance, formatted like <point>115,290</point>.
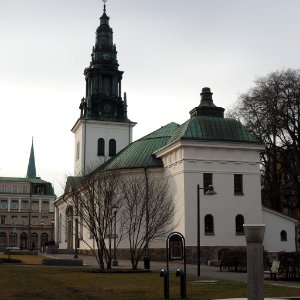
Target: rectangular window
<point>24,205</point>
<point>3,204</point>
<point>45,206</point>
<point>2,220</point>
<point>4,189</point>
<point>45,220</point>
<point>24,189</point>
<point>15,189</point>
<point>35,205</point>
<point>34,220</point>
<point>14,204</point>
<point>238,184</point>
<point>13,220</point>
<point>207,180</point>
<point>24,220</point>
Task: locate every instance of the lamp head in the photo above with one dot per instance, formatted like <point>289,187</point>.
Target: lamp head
<point>210,190</point>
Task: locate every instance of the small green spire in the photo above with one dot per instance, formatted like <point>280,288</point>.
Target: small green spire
<point>31,171</point>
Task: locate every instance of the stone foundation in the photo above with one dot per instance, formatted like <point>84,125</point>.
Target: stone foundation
<point>207,254</point>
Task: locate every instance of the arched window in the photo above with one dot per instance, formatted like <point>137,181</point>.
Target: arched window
<point>101,146</point>
<point>283,236</point>
<point>23,240</point>
<point>34,240</point>
<point>239,222</point>
<point>112,147</point>
<point>12,239</point>
<point>44,239</point>
<point>3,240</point>
<point>209,225</point>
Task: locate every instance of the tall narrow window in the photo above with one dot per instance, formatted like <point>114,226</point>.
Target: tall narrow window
<point>101,146</point>
<point>238,184</point>
<point>112,147</point>
<point>283,236</point>
<point>12,239</point>
<point>45,205</point>
<point>3,204</point>
<point>15,188</point>
<point>239,222</point>
<point>209,225</point>
<point>14,204</point>
<point>207,180</point>
<point>2,220</point>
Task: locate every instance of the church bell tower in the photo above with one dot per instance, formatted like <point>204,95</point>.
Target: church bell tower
<point>103,128</point>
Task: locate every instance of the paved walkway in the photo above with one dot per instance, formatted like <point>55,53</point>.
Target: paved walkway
<point>205,271</point>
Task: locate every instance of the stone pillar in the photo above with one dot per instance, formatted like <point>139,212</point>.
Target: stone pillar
<point>254,234</point>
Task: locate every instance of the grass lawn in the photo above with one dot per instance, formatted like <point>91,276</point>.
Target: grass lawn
<point>26,259</point>
<point>40,282</point>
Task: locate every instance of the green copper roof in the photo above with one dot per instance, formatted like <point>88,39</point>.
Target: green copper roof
<point>22,179</point>
<point>213,129</point>
<point>31,171</point>
<point>34,181</point>
<point>139,153</point>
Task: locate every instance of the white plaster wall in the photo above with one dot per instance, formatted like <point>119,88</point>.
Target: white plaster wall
<point>275,222</point>
<point>121,132</point>
<point>223,160</point>
<point>60,224</point>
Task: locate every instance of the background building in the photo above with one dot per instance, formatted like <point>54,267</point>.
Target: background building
<point>26,210</point>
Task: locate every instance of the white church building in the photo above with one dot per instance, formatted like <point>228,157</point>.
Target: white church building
<point>208,149</point>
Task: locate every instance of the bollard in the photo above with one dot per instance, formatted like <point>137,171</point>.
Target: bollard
<point>254,234</point>
<point>165,275</point>
<point>181,274</point>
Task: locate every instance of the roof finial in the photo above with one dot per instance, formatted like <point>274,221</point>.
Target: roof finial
<point>104,9</point>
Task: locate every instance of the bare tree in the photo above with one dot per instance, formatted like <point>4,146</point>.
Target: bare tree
<point>94,196</point>
<point>271,111</point>
<point>148,211</point>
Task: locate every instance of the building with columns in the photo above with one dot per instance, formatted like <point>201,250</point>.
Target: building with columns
<point>26,210</point>
<point>207,149</point>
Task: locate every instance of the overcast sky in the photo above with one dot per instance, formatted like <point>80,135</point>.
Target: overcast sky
<point>168,49</point>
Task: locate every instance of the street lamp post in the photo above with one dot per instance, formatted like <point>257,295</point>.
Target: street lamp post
<point>115,262</point>
<point>52,229</point>
<point>210,191</point>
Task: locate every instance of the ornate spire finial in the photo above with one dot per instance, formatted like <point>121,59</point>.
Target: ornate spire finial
<point>104,9</point>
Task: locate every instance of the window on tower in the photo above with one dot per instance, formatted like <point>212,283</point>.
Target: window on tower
<point>112,147</point>
<point>101,146</point>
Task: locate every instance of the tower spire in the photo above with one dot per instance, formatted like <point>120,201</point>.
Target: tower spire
<point>31,171</point>
<point>104,8</point>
